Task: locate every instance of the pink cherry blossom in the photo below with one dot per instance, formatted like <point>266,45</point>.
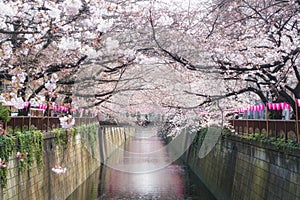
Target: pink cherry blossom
<point>67,122</point>
<point>59,170</point>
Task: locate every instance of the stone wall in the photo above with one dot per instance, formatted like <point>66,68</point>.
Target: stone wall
<point>81,160</point>
<point>237,168</point>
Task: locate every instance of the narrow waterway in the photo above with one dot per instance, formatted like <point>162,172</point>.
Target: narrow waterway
<point>141,169</point>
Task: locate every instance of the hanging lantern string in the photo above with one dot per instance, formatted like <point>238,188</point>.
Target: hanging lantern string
<point>270,106</point>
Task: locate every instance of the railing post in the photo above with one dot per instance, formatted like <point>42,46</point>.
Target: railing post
<point>297,129</point>
<point>48,122</point>
<point>14,124</point>
<point>285,131</point>
<point>297,118</point>
<point>22,125</point>
<point>275,129</point>
<point>28,121</point>
<point>267,120</point>
<point>247,123</point>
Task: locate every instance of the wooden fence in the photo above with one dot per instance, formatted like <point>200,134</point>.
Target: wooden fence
<point>43,123</point>
<point>287,129</point>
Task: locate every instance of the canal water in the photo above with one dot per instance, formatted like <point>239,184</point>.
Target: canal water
<point>141,169</point>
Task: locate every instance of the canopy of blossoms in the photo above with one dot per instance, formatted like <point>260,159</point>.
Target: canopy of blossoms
<point>80,54</point>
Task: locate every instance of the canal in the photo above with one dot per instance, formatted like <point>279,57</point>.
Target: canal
<point>141,169</point>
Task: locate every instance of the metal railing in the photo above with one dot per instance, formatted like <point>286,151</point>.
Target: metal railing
<point>43,123</point>
<point>286,129</point>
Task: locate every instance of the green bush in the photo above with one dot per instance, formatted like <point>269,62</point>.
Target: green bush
<point>279,143</point>
<point>30,147</point>
<point>4,113</point>
<point>7,145</point>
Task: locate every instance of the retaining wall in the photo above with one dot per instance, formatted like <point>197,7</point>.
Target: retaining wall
<point>81,160</point>
<point>237,169</point>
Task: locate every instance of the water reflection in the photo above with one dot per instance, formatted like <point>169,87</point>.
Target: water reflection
<point>163,184</point>
<point>175,181</point>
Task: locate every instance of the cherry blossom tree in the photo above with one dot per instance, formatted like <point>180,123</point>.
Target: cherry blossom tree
<point>228,48</point>
<point>60,38</point>
<point>42,39</point>
<point>253,45</point>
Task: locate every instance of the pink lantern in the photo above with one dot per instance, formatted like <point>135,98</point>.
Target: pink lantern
<point>262,106</point>
<point>26,104</point>
<point>270,106</point>
<point>65,109</point>
<point>273,106</point>
<point>259,107</point>
<point>277,106</point>
<point>251,108</point>
<point>254,108</point>
<point>282,105</point>
<point>288,106</point>
<point>298,102</point>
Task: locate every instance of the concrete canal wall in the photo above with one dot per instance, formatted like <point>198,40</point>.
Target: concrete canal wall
<point>237,169</point>
<point>82,157</point>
